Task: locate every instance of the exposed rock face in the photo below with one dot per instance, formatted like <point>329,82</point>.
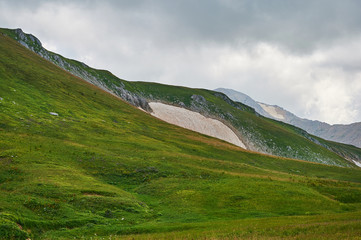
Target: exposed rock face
<point>199,104</point>
<point>132,98</point>
<point>80,70</point>
<point>195,121</point>
<point>198,98</point>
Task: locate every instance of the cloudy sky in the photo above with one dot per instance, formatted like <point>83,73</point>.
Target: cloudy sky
<point>303,55</point>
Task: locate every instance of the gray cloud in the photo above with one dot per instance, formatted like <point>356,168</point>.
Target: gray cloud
<point>302,55</point>
<point>296,25</point>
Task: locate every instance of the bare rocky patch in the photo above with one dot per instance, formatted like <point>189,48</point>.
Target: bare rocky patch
<point>195,121</point>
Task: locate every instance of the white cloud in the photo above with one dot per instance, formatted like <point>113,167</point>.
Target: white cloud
<point>308,85</point>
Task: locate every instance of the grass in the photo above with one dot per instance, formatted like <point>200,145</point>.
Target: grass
<point>330,226</point>
<point>103,168</point>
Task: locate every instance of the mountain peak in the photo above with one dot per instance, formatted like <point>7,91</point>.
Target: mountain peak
<point>27,40</point>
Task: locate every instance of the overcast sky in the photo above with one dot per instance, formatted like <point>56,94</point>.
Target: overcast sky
<point>303,55</point>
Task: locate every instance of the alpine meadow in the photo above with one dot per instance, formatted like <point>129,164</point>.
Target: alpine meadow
<point>82,156</point>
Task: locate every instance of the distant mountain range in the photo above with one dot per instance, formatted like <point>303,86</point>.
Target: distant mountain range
<point>349,134</point>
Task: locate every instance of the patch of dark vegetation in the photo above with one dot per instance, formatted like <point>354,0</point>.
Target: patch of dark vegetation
<point>45,207</point>
<point>10,228</point>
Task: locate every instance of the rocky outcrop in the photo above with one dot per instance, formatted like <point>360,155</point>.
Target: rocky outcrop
<point>132,98</point>
<point>81,70</point>
<point>199,104</point>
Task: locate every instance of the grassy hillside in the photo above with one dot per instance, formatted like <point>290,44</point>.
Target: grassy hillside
<point>104,168</point>
<point>258,133</point>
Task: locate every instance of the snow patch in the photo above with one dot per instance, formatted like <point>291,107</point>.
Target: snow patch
<point>195,122</point>
<point>357,163</point>
<point>54,113</point>
<point>272,110</point>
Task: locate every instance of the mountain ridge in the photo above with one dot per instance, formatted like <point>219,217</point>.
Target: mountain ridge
<point>343,133</point>
<point>258,134</point>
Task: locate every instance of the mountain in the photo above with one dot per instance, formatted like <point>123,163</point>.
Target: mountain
<point>245,99</point>
<point>348,134</point>
<point>77,161</point>
<point>255,133</point>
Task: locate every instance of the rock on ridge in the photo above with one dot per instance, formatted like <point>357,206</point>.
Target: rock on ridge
<point>34,44</point>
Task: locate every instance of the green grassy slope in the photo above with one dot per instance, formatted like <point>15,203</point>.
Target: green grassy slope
<point>104,167</point>
<point>260,134</point>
